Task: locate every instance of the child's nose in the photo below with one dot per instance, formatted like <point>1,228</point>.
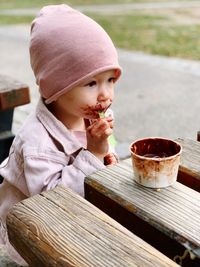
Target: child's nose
<point>104,94</point>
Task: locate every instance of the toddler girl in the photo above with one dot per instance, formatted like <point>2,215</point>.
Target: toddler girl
<point>75,64</point>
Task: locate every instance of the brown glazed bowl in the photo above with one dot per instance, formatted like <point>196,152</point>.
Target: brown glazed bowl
<point>155,161</point>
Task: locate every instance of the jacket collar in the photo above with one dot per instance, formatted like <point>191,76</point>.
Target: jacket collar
<point>57,130</point>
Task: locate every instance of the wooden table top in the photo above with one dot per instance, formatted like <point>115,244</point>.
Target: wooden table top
<point>12,93</point>
<point>175,210</point>
<point>189,170</point>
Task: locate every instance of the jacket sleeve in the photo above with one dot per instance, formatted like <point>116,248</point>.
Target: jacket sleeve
<point>44,173</point>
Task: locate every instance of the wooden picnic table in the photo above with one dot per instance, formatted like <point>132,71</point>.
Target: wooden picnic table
<point>168,219</point>
<point>189,170</point>
<point>13,93</point>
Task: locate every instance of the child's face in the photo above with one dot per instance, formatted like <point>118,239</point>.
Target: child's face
<point>89,98</point>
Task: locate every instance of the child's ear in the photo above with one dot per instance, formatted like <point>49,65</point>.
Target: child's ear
<point>117,73</point>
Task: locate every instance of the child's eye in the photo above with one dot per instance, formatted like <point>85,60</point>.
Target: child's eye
<point>112,79</point>
<point>90,84</point>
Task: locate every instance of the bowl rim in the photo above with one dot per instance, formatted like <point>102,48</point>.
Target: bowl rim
<point>152,158</point>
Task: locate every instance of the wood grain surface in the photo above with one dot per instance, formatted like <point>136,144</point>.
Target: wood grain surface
<point>189,170</point>
<point>174,211</point>
<point>12,93</point>
<point>60,228</point>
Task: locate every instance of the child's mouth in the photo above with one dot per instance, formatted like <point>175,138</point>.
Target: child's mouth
<point>93,112</point>
<point>102,109</point>
<point>102,112</point>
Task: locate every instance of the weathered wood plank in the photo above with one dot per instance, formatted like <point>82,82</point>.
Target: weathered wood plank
<point>59,228</point>
<point>12,93</point>
<point>189,170</point>
<point>174,211</point>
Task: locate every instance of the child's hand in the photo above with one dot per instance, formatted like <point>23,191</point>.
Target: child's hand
<point>110,159</point>
<point>97,137</point>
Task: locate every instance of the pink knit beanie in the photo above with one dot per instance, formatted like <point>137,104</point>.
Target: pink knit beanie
<point>66,47</point>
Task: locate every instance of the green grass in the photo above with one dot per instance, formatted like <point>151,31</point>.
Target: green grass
<point>8,19</point>
<point>153,35</point>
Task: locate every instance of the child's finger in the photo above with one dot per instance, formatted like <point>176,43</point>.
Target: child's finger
<point>107,132</point>
<point>99,123</point>
<point>110,121</point>
<point>100,128</point>
<point>102,131</point>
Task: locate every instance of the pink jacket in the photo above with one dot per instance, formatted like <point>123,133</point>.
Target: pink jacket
<point>44,154</point>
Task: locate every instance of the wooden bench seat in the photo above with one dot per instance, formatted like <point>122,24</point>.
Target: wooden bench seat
<point>60,228</point>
